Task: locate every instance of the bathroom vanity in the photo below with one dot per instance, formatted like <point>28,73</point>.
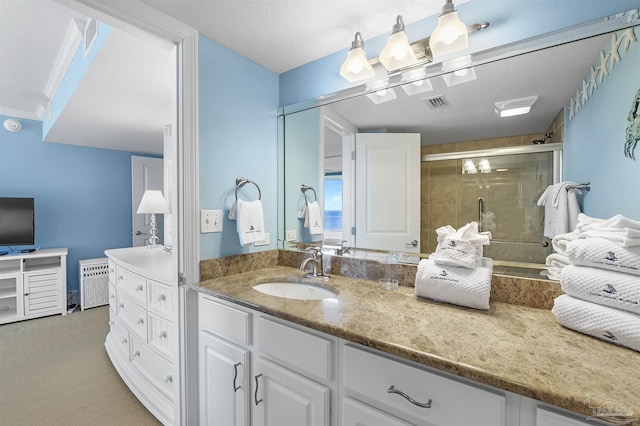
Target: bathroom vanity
<point>143,333</point>
<point>369,356</point>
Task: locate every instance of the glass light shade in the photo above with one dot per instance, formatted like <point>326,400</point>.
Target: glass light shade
<point>398,52</point>
<point>451,35</point>
<point>152,202</point>
<point>356,67</point>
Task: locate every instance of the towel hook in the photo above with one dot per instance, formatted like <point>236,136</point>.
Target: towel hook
<point>304,188</point>
<point>240,182</point>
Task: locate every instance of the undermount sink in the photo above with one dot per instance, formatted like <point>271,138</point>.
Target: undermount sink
<point>295,290</point>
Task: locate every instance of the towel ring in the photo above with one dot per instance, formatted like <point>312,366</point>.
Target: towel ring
<point>304,188</point>
<point>240,182</point>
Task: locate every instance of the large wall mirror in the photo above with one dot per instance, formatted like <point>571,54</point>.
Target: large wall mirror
<point>426,148</point>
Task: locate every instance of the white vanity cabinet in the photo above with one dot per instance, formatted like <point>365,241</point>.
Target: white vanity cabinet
<point>254,370</point>
<point>143,337</point>
<point>33,285</point>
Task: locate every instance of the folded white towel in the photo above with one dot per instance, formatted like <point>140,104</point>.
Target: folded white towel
<point>615,223</point>
<point>612,325</point>
<point>460,286</point>
<point>609,288</point>
<point>584,220</point>
<point>560,241</point>
<point>561,208</point>
<point>621,237</point>
<point>552,272</point>
<point>462,247</point>
<point>605,254</point>
<point>557,260</point>
<point>250,220</point>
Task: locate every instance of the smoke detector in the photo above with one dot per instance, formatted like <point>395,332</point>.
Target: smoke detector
<point>12,125</point>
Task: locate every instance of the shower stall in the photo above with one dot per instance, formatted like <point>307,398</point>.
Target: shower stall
<point>499,189</point>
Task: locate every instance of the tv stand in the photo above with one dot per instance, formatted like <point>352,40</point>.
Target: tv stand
<point>33,285</point>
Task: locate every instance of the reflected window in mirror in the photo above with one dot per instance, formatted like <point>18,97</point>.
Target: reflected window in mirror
<point>333,207</point>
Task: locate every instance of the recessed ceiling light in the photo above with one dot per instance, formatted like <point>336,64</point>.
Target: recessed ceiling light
<point>515,106</point>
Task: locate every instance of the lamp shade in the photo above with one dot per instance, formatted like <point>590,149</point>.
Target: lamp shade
<point>397,53</point>
<point>451,35</point>
<point>356,67</point>
<point>152,202</point>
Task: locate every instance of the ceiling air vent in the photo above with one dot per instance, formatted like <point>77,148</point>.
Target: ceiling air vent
<point>90,34</point>
<point>437,102</point>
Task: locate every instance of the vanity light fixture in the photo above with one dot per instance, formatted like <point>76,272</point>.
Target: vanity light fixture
<point>451,34</point>
<point>397,53</point>
<point>381,93</point>
<point>514,107</point>
<point>356,67</point>
<point>416,82</point>
<point>153,202</point>
<point>459,70</point>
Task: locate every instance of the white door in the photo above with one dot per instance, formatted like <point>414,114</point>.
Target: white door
<point>284,398</point>
<point>146,173</point>
<point>388,191</point>
<point>224,382</point>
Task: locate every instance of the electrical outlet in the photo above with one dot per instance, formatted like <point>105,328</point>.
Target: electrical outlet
<point>265,242</point>
<point>291,235</point>
<point>210,221</point>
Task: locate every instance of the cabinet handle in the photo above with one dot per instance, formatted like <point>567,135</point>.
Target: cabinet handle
<point>162,298</point>
<point>140,321</point>
<point>168,379</point>
<point>139,288</point>
<point>255,394</point>
<point>112,296</point>
<point>235,376</point>
<point>136,354</point>
<point>392,389</point>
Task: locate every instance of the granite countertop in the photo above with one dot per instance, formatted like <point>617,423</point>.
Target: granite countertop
<point>517,348</point>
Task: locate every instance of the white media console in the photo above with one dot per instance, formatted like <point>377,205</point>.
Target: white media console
<point>33,284</point>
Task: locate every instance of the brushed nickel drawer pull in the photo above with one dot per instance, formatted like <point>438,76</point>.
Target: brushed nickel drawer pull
<point>392,389</point>
<point>235,376</point>
<point>255,394</point>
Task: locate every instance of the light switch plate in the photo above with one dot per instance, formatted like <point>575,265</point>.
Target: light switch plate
<point>210,221</point>
<point>291,235</point>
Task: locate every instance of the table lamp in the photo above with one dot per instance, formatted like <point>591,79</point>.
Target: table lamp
<point>153,202</point>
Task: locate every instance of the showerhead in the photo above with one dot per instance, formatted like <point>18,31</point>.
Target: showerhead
<point>546,137</point>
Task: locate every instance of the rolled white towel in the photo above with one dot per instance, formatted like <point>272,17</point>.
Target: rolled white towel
<point>608,324</point>
<point>553,273</point>
<point>460,286</point>
<point>560,241</point>
<point>608,288</point>
<point>557,260</point>
<point>605,254</point>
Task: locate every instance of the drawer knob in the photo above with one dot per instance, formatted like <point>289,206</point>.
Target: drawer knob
<point>139,288</point>
<point>111,323</point>
<point>392,389</point>
<point>136,354</point>
<point>168,379</point>
<point>112,297</point>
<point>163,335</point>
<point>140,321</point>
<point>122,306</point>
<point>124,341</point>
<point>162,298</point>
<point>121,278</point>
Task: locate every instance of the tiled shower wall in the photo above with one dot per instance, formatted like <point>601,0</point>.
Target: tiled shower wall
<point>451,198</point>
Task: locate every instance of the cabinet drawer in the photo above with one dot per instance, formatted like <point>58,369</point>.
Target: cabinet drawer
<point>223,320</point>
<point>121,337</point>
<point>133,284</point>
<point>162,335</point>
<point>112,272</point>
<point>548,418</point>
<point>309,354</point>
<point>156,369</point>
<point>112,298</point>
<point>132,315</point>
<point>355,413</point>
<point>160,299</point>
<point>368,377</point>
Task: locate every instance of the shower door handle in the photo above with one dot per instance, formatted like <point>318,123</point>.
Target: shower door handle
<point>413,243</point>
<point>480,212</point>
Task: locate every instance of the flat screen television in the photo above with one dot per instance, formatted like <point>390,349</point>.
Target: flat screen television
<point>17,221</point>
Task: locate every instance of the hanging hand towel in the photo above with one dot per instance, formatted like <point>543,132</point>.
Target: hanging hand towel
<point>561,208</point>
<point>612,325</point>
<point>605,254</point>
<point>313,221</point>
<point>250,221</point>
<point>460,286</point>
<point>608,288</point>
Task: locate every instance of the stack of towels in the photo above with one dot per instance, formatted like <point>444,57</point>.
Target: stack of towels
<point>602,281</point>
<point>457,273</point>
<point>557,260</point>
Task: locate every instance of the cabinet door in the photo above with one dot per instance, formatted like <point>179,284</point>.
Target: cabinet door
<point>41,292</point>
<point>224,382</point>
<point>282,398</point>
<point>548,418</point>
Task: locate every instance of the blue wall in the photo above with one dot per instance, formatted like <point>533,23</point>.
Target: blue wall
<point>510,21</point>
<point>238,103</point>
<point>82,195</point>
<point>594,142</point>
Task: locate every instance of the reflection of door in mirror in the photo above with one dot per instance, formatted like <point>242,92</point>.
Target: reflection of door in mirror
<point>388,191</point>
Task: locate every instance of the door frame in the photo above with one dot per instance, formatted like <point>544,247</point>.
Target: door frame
<point>142,20</point>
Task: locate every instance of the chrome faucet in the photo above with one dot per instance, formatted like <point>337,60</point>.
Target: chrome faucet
<point>316,263</point>
<point>341,249</point>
